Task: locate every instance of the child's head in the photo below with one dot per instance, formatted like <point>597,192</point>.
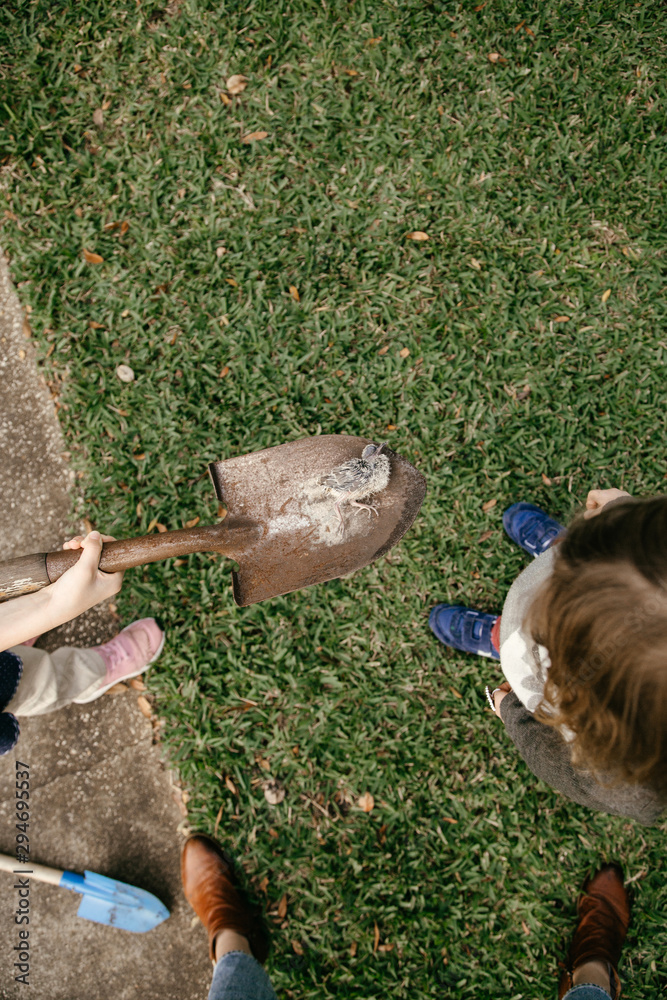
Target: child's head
<point>603,618</point>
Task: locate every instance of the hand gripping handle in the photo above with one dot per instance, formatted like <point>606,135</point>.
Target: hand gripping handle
<point>230,537</point>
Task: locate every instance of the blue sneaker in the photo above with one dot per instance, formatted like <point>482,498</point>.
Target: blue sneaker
<point>464,629</point>
<point>530,527</point>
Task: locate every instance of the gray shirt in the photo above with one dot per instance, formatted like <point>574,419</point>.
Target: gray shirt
<point>544,749</point>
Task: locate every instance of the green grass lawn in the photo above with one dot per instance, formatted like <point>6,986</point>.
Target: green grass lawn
<point>527,142</point>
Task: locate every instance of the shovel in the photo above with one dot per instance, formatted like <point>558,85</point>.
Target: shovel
<point>104,900</point>
<point>281,527</point>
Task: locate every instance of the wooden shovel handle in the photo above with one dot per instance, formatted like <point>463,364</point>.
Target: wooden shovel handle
<point>41,872</point>
<point>29,573</point>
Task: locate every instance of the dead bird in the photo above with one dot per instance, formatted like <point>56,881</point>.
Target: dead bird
<point>359,478</point>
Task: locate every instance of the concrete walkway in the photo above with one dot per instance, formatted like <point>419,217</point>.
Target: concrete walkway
<point>100,796</point>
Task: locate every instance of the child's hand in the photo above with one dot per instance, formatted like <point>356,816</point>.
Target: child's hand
<point>84,585</point>
<point>78,540</point>
<point>597,499</point>
<point>501,692</point>
<point>80,588</point>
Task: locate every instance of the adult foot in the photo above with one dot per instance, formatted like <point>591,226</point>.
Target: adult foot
<point>212,890</point>
<point>464,629</point>
<point>128,654</point>
<point>604,915</point>
<point>529,527</point>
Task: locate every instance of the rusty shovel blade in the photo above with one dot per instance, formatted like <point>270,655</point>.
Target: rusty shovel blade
<point>302,541</point>
<point>284,527</point>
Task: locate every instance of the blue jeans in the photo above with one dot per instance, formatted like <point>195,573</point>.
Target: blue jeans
<point>587,992</point>
<point>238,976</point>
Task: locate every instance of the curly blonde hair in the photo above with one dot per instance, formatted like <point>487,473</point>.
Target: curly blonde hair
<point>602,615</point>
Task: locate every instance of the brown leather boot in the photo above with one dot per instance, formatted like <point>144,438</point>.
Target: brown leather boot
<point>604,915</point>
<point>212,890</point>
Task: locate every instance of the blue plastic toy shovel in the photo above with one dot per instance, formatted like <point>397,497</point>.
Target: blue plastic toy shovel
<point>104,900</point>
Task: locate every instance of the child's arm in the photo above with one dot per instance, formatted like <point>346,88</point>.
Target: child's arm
<point>81,587</point>
<point>548,756</point>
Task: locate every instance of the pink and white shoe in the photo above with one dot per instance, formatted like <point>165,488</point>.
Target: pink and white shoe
<point>128,654</point>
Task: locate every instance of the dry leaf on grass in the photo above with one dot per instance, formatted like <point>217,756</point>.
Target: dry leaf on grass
<point>383,350</point>
<point>224,372</point>
<point>489,505</point>
<point>254,136</point>
<point>297,948</point>
<point>274,793</point>
<point>404,352</point>
<point>92,257</point>
<point>376,936</point>
<point>237,83</point>
<point>217,820</point>
<point>495,57</point>
<point>98,117</point>
<point>294,293</point>
<point>546,480</point>
<point>125,373</point>
<point>229,784</point>
<point>282,906</point>
<point>191,524</point>
<point>484,537</point>
<point>366,802</point>
<point>561,319</point>
<point>605,295</point>
<point>353,949</point>
<point>417,235</point>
